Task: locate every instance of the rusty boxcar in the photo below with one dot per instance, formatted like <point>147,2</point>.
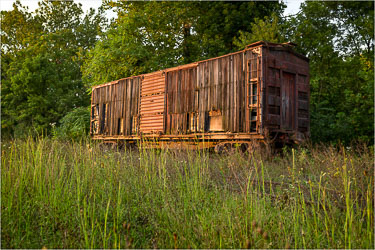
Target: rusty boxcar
<point>258,94</point>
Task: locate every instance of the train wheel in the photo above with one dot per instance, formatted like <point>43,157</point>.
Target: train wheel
<point>219,148</point>
<point>244,147</point>
<point>225,148</point>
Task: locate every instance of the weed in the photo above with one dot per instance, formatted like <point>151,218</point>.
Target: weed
<point>75,195</point>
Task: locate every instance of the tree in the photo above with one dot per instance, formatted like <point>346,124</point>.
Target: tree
<point>149,36</point>
<point>268,30</point>
<point>18,29</point>
<point>220,22</point>
<point>41,71</point>
<point>338,39</point>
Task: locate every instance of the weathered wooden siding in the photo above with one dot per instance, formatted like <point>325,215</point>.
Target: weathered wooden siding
<point>182,102</point>
<point>209,97</point>
<point>116,107</point>
<point>287,91</point>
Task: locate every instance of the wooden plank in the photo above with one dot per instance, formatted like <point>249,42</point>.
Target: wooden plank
<point>235,91</point>
<point>200,95</point>
<point>169,102</point>
<point>175,82</point>
<point>215,83</point>
<point>121,104</point>
<point>128,107</point>
<point>211,84</point>
<point>196,91</point>
<point>114,109</point>
<point>128,100</point>
<point>243,93</point>
<point>203,96</point>
<point>223,90</point>
<point>208,85</point>
<point>115,123</point>
<point>189,82</point>
<point>207,94</point>
<point>227,101</point>
<point>183,91</point>
<point>231,107</point>
<point>109,120</point>
<point>180,103</point>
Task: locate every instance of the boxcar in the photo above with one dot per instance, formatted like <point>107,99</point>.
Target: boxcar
<point>259,94</point>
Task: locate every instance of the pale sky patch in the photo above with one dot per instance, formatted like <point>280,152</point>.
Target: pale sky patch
<point>292,6</point>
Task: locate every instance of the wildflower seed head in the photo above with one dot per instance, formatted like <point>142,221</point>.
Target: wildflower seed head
<point>253,223</point>
<point>259,230</point>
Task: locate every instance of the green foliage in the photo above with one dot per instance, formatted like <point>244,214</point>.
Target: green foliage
<point>268,30</point>
<point>41,58</point>
<point>149,36</point>
<point>220,22</point>
<point>74,125</point>
<point>76,195</point>
<point>338,39</point>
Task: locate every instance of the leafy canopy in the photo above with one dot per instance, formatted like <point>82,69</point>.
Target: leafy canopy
<point>42,53</point>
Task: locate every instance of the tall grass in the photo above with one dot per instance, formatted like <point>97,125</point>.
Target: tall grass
<point>77,195</point>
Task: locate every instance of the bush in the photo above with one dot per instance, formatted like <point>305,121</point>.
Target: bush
<point>74,125</point>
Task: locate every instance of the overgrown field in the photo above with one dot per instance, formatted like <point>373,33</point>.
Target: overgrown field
<point>76,195</point>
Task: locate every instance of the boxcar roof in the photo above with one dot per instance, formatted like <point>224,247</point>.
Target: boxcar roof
<point>279,46</point>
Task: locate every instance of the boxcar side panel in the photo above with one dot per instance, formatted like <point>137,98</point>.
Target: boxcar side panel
<point>220,87</point>
<point>114,108</point>
<point>152,103</point>
<point>181,109</point>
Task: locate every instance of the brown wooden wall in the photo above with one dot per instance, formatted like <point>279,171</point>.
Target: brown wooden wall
<point>288,91</point>
<point>182,104</point>
<point>210,97</point>
<point>115,107</point>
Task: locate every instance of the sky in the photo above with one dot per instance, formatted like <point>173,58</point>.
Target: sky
<point>292,5</point>
<point>33,4</point>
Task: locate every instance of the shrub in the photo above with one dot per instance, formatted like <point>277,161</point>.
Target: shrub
<point>74,125</point>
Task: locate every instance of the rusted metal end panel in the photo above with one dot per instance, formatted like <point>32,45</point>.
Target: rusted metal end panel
<point>152,103</point>
<point>287,92</point>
